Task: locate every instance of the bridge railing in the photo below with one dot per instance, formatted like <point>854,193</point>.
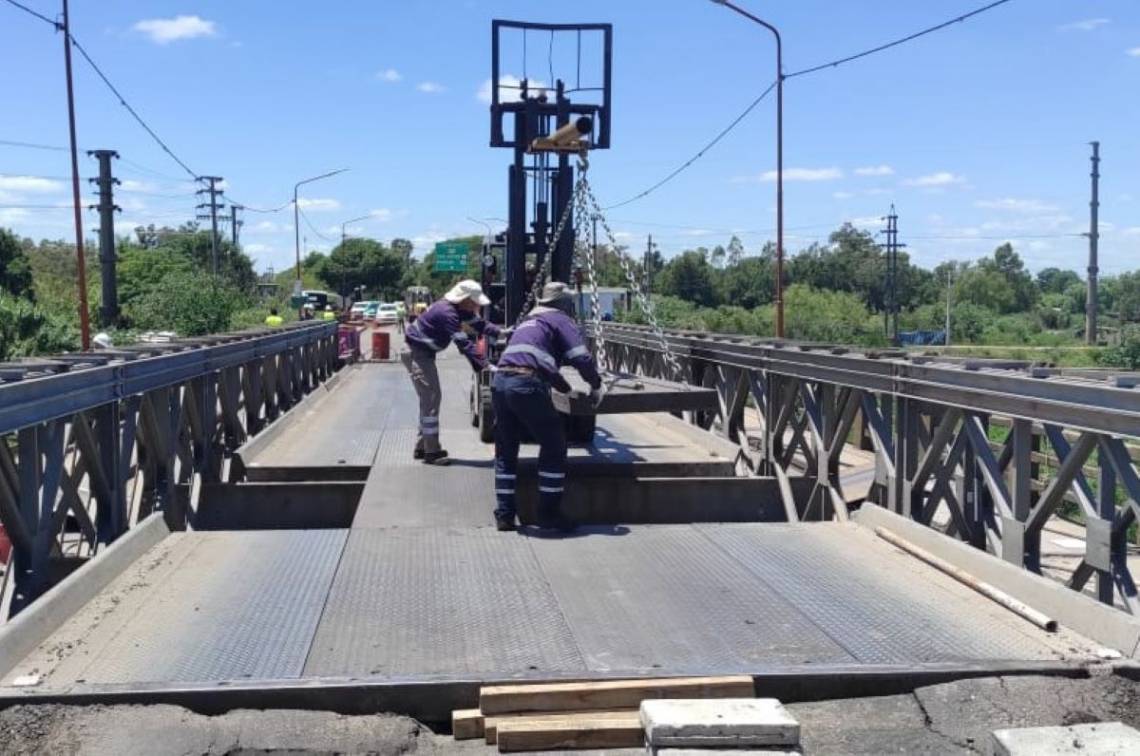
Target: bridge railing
<point>92,443</point>
<point>988,451</point>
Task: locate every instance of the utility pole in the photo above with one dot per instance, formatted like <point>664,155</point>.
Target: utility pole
<point>212,189</point>
<point>1094,237</point>
<point>109,312</point>
<point>80,261</point>
<point>235,224</point>
<point>891,295</point>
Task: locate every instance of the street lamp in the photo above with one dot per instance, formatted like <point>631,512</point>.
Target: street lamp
<point>296,220</point>
<point>343,235</point>
<point>779,163</point>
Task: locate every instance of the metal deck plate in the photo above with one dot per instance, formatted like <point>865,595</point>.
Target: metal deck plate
<point>882,606</point>
<point>627,393</point>
<point>664,598</point>
<point>203,607</point>
<point>430,601</point>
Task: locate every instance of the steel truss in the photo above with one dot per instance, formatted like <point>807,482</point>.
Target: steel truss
<point>95,442</point>
<point>928,422</point>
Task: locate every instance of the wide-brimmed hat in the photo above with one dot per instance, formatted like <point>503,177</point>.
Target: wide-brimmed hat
<point>467,289</point>
<point>555,293</point>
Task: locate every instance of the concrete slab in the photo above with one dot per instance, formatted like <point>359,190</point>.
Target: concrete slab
<point>1106,738</point>
<point>718,723</point>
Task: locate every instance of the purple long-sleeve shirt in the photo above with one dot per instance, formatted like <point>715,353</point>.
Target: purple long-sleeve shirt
<point>547,340</point>
<point>443,324</point>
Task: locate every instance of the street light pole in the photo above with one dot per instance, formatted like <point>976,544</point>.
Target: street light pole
<point>297,219</point>
<point>779,161</point>
<point>344,234</point>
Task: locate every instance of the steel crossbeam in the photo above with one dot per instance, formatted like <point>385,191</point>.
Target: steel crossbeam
<point>930,424</point>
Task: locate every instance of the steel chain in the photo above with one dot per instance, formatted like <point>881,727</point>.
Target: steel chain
<point>643,301</point>
<point>544,270</point>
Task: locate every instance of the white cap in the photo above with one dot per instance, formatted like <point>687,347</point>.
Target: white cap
<point>467,289</point>
<point>103,341</point>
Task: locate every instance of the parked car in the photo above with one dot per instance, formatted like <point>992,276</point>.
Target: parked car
<point>370,311</point>
<point>387,313</point>
<point>359,309</point>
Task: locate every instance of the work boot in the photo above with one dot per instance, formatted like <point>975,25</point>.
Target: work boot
<point>555,522</point>
<point>438,458</point>
<point>505,523</point>
<point>418,453</point>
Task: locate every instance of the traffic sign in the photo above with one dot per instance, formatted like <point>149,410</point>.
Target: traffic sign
<point>450,257</point>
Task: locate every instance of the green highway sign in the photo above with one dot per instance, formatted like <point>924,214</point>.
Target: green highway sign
<point>450,257</point>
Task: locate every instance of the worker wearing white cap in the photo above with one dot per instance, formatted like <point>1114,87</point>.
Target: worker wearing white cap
<point>445,322</point>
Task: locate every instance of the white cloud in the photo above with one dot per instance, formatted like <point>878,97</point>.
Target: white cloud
<point>942,178</point>
<point>1086,25</point>
<point>623,235</point>
<point>866,222</point>
<point>164,30</point>
<point>696,232</point>
<point>382,214</point>
<point>508,88</point>
<point>875,170</point>
<point>430,87</point>
<point>318,205</point>
<point>1131,231</point>
<point>842,195</point>
<point>265,227</point>
<point>1134,52</point>
<point>389,75</point>
<point>29,184</point>
<point>796,174</point>
<point>12,215</point>
<point>877,191</point>
<point>1017,205</point>
<point>131,185</point>
<point>254,249</point>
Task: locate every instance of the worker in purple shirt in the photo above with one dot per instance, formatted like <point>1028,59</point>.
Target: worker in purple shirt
<point>541,344</point>
<point>451,320</point>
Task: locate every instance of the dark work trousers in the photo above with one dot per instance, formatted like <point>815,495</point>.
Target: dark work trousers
<point>523,407</point>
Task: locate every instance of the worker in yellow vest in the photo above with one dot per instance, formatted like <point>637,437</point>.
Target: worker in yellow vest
<point>328,313</point>
<point>273,320</point>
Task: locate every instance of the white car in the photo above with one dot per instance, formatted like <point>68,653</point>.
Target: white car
<point>387,313</point>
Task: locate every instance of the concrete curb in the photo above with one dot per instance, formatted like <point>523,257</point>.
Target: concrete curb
<point>1071,609</point>
<point>21,635</point>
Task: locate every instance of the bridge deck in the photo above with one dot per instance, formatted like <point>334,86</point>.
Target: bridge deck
<point>422,588</point>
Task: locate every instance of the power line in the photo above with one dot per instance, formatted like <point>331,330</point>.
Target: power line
<point>132,111</point>
<point>700,153</point>
<point>804,72</point>
<point>313,228</point>
<point>37,14</point>
<point>31,145</point>
<point>279,208</point>
<point>897,42</point>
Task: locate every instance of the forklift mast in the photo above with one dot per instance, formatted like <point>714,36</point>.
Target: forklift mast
<point>525,114</point>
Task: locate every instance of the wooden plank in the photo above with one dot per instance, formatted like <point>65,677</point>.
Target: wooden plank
<point>608,694</point>
<point>570,732</point>
<point>467,724</point>
<point>491,723</point>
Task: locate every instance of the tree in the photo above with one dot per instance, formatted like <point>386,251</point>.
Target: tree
<point>689,276</point>
<point>1055,280</point>
<point>403,248</point>
<point>1125,294</point>
<point>735,251</point>
<point>15,270</point>
<point>718,256</point>
<point>367,263</point>
<point>749,283</point>
<point>189,303</point>
<point>141,271</point>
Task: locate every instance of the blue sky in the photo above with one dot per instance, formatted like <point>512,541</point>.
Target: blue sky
<point>977,133</point>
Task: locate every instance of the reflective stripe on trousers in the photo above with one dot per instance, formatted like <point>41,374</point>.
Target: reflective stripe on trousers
<point>425,379</point>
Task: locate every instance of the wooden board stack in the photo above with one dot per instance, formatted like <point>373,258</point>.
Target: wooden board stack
<point>578,715</point>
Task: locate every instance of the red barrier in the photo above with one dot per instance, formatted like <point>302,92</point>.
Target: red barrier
<point>381,341</point>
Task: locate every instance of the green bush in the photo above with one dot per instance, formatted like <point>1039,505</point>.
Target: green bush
<point>1126,354</point>
<point>188,303</point>
<point>26,329</point>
